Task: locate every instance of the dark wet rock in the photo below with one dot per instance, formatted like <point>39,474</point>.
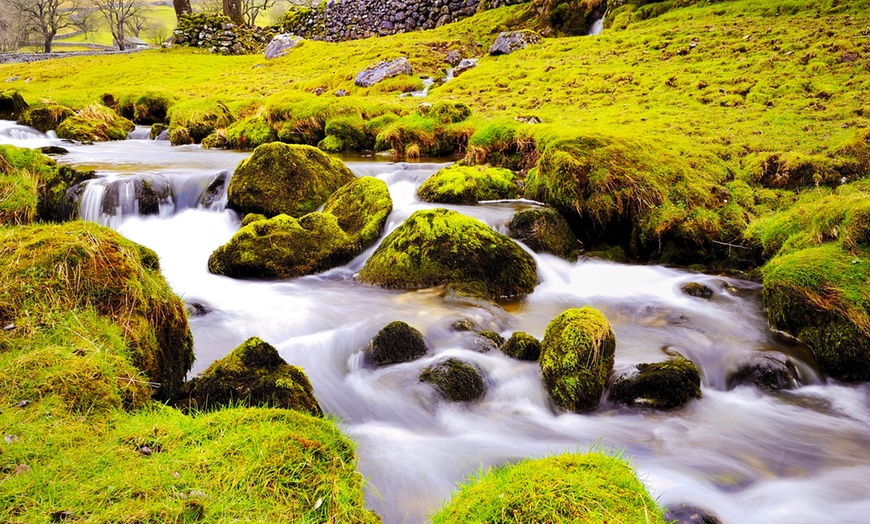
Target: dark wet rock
<point>12,105</point>
<point>463,325</point>
<point>157,130</point>
<point>281,45</point>
<point>577,358</point>
<point>687,514</point>
<point>453,58</point>
<point>522,346</point>
<point>663,385</point>
<point>253,374</point>
<point>54,150</point>
<point>510,41</point>
<point>464,65</point>
<point>545,230</point>
<point>383,70</point>
<point>395,343</point>
<point>215,190</point>
<point>455,380</point>
<point>695,289</point>
<point>487,341</point>
<point>61,516</point>
<point>196,309</point>
<point>23,404</point>
<point>773,372</point>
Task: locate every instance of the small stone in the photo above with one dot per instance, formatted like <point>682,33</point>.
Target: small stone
<point>453,58</point>
<point>145,450</point>
<point>340,92</point>
<point>383,70</point>
<point>694,289</point>
<point>462,325</point>
<point>9,327</point>
<point>686,514</point>
<point>23,404</point>
<point>10,439</point>
<point>21,469</point>
<point>510,41</point>
<point>464,65</point>
<point>176,475</point>
<point>13,78</point>
<point>60,516</point>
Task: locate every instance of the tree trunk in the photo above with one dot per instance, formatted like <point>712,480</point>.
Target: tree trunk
<point>120,37</point>
<point>233,11</point>
<point>182,7</point>
<point>46,47</point>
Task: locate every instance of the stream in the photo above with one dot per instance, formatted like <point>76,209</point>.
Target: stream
<point>747,454</point>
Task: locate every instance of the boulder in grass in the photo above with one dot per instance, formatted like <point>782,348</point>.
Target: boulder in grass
<point>510,41</point>
<point>383,70</point>
<point>281,45</point>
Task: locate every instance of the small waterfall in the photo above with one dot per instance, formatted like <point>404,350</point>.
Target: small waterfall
<point>427,84</point>
<point>15,133</point>
<point>140,133</point>
<point>597,27</point>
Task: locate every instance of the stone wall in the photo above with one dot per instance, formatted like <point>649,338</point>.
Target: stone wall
<point>217,34</point>
<point>338,20</point>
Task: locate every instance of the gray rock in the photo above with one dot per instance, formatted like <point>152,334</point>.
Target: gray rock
<point>383,70</point>
<point>340,92</point>
<point>281,45</point>
<point>510,41</point>
<point>464,65</point>
<point>453,58</point>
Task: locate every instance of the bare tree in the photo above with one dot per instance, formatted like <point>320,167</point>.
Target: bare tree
<point>209,6</point>
<point>251,9</point>
<point>158,33</point>
<point>139,21</point>
<point>12,31</point>
<point>182,7</point>
<point>86,20</point>
<point>45,17</point>
<point>233,11</point>
<point>119,14</point>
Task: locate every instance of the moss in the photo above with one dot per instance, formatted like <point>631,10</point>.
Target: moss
<point>522,346</point>
<point>146,109</point>
<point>249,133</point>
<point>250,218</point>
<point>46,118</point>
<point>450,111</point>
<point>85,267</point>
<point>289,179</point>
<point>793,170</point>
<point>252,374</point>
<point>395,343</point>
<point>346,133</point>
<point>179,136</point>
<point>361,207</point>
<point>569,17</point>
<point>282,247</point>
<point>435,247</point>
<point>577,358</point>
<point>663,385</point>
<point>422,135</point>
<point>193,122</point>
<point>12,105</point>
<point>468,185</point>
<point>500,143</point>
<point>95,123</point>
<point>496,339</point>
<point>590,488</point>
<point>545,230</point>
<point>820,295</point>
<point>455,380</point>
<point>156,130</point>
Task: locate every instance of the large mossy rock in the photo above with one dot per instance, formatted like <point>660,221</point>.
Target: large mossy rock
<point>281,247</point>
<point>395,343</point>
<point>46,118</point>
<point>285,179</point>
<point>145,108</point>
<point>83,269</point>
<point>468,185</point>
<point>361,207</point>
<point>455,380</point>
<point>563,489</point>
<point>577,358</point>
<point>437,246</point>
<point>820,296</point>
<point>252,374</point>
<point>522,346</point>
<point>545,230</point>
<point>12,105</point>
<point>95,123</point>
<point>662,385</point>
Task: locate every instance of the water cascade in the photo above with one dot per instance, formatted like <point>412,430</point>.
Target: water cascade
<point>597,27</point>
<point>749,455</point>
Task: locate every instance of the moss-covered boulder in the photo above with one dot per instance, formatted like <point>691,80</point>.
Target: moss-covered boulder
<point>522,346</point>
<point>820,296</point>
<point>95,123</point>
<point>468,185</point>
<point>252,374</point>
<point>437,246</point>
<point>663,385</point>
<point>577,358</point>
<point>249,133</point>
<point>455,380</point>
<point>361,207</point>
<point>12,105</point>
<point>395,343</point>
<point>450,111</point>
<point>563,489</point>
<point>545,230</point>
<point>345,133</point>
<point>145,108</point>
<point>285,179</point>
<point>486,340</point>
<point>46,118</point>
<point>281,247</point>
<point>81,268</point>
<point>157,130</point>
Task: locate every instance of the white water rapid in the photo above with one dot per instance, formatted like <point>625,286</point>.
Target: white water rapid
<point>745,454</point>
<point>597,27</point>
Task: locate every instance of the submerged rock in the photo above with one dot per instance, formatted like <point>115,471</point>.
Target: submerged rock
<point>577,358</point>
<point>774,372</point>
<point>54,150</point>
<point>545,230</point>
<point>395,343</point>
<point>281,45</point>
<point>687,514</point>
<point>215,190</point>
<point>253,374</point>
<point>468,185</point>
<point>522,346</point>
<point>383,70</point>
<point>455,380</point>
<point>290,179</point>
<point>663,385</point>
<point>694,289</point>
<point>437,246</point>
<point>510,41</point>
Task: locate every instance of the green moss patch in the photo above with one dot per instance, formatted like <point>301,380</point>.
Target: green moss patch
<point>522,346</point>
<point>289,179</point>
<point>568,488</point>
<point>663,385</point>
<point>455,380</point>
<point>436,247</point>
<point>468,185</point>
<point>95,123</point>
<point>361,207</point>
<point>46,118</point>
<point>577,358</point>
<point>545,230</point>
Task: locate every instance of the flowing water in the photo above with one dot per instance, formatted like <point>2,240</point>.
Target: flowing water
<point>746,454</point>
